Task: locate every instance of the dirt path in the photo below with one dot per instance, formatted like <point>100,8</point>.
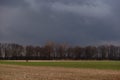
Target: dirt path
<point>11,72</point>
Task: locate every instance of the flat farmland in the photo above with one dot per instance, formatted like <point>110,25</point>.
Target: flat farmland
<point>60,70</point>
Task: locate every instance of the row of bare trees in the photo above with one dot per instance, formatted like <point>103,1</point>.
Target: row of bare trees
<point>52,51</point>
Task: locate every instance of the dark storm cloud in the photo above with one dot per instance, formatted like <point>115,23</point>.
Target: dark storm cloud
<point>11,3</point>
<point>81,22</point>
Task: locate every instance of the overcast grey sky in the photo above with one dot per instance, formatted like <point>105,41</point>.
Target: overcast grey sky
<point>76,22</point>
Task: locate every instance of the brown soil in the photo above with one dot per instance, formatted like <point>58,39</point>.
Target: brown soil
<point>13,72</point>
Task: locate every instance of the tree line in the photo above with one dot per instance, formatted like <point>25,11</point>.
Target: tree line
<point>52,51</point>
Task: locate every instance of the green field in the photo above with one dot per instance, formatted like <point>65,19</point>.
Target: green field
<point>109,65</point>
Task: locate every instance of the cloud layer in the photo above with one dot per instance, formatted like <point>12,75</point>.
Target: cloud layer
<point>77,22</point>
